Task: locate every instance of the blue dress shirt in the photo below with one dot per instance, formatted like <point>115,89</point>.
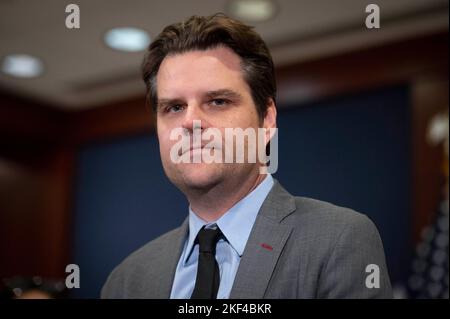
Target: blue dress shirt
<point>236,225</point>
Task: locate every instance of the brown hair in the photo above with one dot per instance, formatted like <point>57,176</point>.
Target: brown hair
<point>202,33</point>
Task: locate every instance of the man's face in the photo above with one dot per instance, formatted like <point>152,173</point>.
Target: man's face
<point>207,86</point>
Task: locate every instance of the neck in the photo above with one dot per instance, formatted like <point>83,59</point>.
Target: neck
<point>214,203</point>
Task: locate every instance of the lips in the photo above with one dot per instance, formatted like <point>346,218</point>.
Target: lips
<point>204,147</point>
<point>191,149</point>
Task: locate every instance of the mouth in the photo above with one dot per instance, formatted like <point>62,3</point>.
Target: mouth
<point>191,149</point>
<point>198,149</point>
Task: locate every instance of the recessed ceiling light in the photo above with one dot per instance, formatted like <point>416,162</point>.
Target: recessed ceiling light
<point>127,39</point>
<point>252,10</point>
<point>22,65</point>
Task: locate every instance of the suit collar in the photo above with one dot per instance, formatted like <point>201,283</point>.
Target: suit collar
<point>278,204</point>
<point>266,242</point>
<point>171,257</point>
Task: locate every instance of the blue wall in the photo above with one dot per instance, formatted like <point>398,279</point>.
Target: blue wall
<point>353,151</point>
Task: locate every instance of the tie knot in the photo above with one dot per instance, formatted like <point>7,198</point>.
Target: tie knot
<point>207,239</point>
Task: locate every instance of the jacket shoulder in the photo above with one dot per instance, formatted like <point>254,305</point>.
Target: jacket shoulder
<point>330,224</point>
<point>304,212</point>
<point>342,243</point>
<point>135,265</point>
<point>327,214</point>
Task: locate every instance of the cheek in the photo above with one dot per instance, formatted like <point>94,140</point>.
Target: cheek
<point>249,116</point>
<point>244,118</point>
<point>164,141</point>
<point>249,119</point>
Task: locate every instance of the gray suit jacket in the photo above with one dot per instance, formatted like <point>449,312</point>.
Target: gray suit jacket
<point>319,251</point>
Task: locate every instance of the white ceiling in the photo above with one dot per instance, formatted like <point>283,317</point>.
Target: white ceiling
<point>81,72</point>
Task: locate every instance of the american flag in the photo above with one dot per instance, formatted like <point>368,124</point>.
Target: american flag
<point>429,273</point>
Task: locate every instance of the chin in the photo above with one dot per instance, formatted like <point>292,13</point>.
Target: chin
<point>200,176</point>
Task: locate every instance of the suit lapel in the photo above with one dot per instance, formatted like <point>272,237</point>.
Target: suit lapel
<point>264,246</point>
<point>170,262</point>
<point>259,259</point>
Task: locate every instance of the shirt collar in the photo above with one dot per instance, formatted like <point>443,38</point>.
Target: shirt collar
<point>236,224</point>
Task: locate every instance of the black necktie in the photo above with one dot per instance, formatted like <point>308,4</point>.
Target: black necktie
<point>208,276</point>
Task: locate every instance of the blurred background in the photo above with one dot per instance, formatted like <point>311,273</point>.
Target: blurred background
<point>363,123</point>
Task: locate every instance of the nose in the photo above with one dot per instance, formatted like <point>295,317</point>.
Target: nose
<point>193,117</point>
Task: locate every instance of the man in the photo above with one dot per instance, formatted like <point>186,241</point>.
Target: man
<point>245,236</point>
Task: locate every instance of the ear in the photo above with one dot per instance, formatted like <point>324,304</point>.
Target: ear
<point>270,120</point>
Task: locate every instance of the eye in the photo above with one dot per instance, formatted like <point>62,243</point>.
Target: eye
<point>174,108</point>
<point>219,102</point>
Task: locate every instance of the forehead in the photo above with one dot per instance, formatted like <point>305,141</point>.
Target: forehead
<point>200,71</point>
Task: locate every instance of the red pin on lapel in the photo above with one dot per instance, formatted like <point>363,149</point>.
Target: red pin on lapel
<point>266,246</point>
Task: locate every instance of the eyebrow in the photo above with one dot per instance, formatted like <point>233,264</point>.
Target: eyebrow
<point>162,103</point>
<point>223,93</point>
<point>226,93</point>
